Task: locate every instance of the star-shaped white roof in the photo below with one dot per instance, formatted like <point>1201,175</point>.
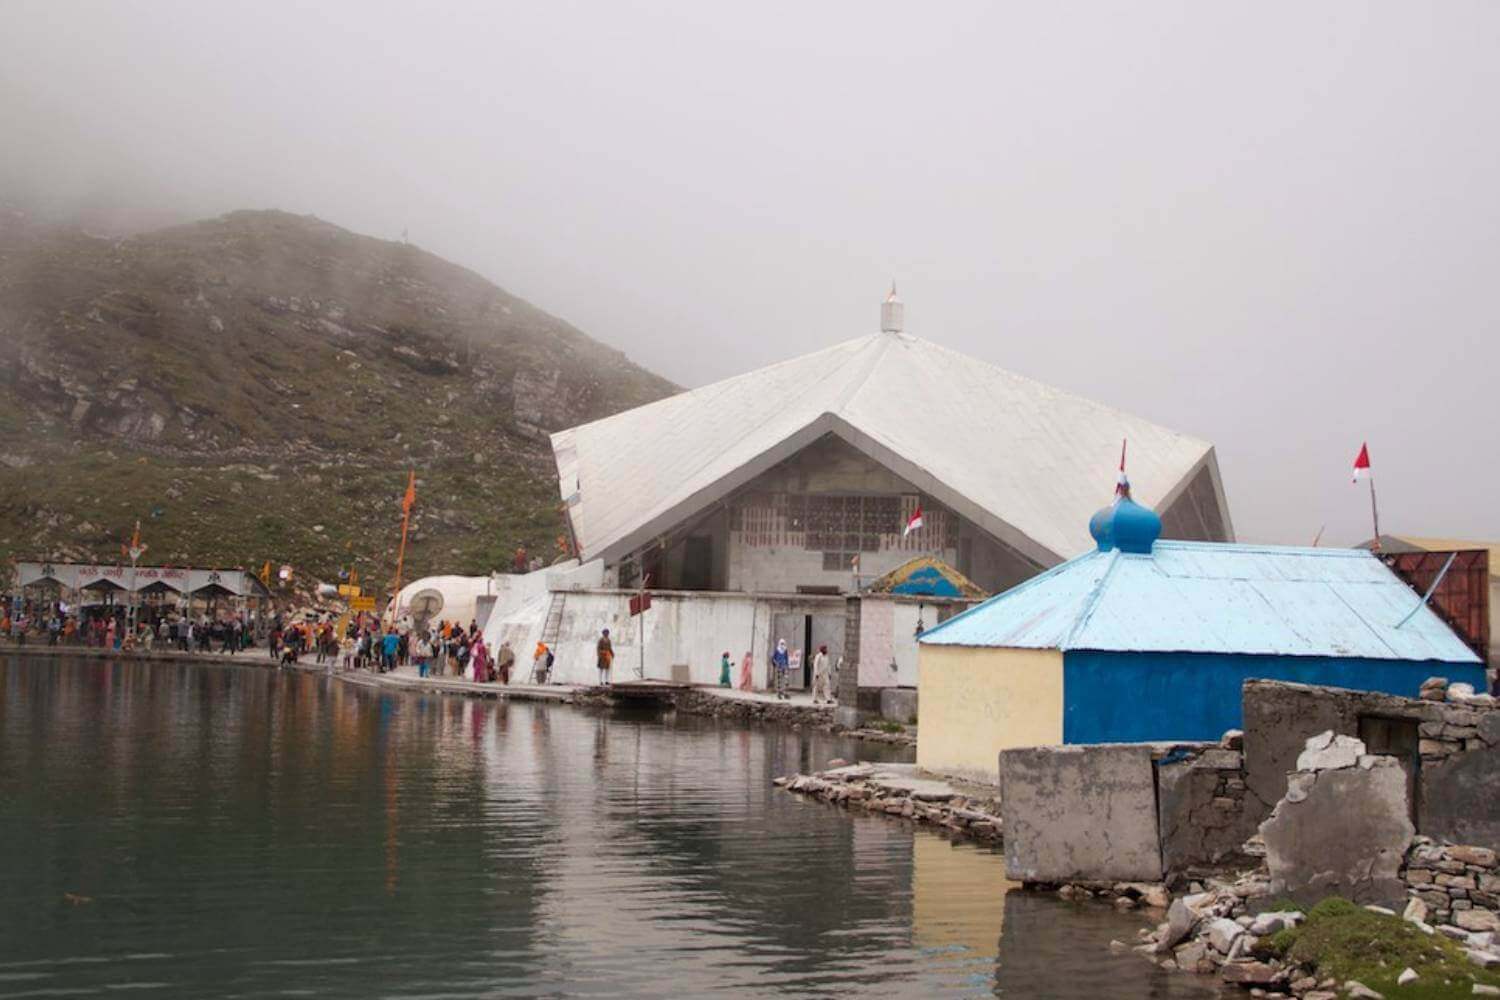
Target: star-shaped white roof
<point>1026,462</point>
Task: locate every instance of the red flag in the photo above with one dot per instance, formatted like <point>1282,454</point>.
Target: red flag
<point>411,493</point>
<point>913,523</point>
<point>1362,462</point>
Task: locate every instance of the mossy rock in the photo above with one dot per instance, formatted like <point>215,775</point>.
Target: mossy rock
<point>1343,941</point>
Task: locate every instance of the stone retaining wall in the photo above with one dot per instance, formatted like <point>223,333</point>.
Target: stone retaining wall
<point>1201,806</point>
<point>890,790</point>
<point>1455,886</point>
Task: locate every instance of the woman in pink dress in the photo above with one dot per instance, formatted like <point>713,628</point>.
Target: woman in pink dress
<point>479,657</point>
<point>745,672</point>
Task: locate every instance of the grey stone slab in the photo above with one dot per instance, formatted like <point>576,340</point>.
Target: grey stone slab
<point>1346,836</point>
<point>1076,813</point>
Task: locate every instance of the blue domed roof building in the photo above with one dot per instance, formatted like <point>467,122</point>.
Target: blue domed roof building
<point>1144,640</point>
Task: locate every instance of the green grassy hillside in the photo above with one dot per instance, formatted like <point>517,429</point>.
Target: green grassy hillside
<point>255,387</point>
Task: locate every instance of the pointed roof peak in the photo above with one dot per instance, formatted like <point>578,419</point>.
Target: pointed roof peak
<point>892,312</point>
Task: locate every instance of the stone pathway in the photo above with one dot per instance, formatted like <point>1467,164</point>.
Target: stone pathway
<point>902,790</point>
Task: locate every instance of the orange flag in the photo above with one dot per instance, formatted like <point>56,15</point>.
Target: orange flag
<point>411,493</point>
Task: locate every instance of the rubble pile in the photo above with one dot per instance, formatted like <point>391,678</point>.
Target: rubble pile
<point>1213,930</point>
<point>897,790</point>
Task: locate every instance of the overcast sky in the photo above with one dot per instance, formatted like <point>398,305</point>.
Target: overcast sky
<point>1270,225</point>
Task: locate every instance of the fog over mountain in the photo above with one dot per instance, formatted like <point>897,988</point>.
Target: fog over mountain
<point>1272,226</point>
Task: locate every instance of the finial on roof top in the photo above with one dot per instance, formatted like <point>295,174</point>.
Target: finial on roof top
<point>892,312</point>
<point>1125,524</point>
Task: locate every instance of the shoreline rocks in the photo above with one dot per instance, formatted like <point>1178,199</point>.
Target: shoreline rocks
<point>900,790</point>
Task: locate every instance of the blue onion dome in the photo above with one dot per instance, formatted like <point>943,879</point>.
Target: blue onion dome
<point>1100,527</point>
<point>1134,528</point>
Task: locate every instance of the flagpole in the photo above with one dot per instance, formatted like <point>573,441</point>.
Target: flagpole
<point>1374,515</point>
<point>411,485</point>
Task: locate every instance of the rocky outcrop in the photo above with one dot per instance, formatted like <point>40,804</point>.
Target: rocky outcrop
<point>144,367</point>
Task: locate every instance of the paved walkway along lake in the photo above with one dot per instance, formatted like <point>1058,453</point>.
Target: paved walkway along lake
<point>237,831</point>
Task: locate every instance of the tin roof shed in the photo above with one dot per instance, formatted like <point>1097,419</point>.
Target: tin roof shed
<point>1206,597</point>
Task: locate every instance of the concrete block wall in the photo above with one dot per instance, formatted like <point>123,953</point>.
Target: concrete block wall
<point>1121,811</point>
<point>1080,813</point>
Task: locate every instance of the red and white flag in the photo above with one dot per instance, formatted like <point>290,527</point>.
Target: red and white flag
<point>1362,463</point>
<point>913,523</point>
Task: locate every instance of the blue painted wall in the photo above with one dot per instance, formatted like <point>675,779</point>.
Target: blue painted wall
<point>1129,697</point>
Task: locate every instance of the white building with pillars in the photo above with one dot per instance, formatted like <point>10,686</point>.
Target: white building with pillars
<point>781,490</point>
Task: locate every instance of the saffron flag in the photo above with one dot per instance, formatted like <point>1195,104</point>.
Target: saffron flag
<point>1362,462</point>
<point>913,523</point>
<point>411,493</point>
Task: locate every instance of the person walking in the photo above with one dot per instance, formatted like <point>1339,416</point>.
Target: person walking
<point>606,651</point>
<point>505,659</point>
<point>821,691</point>
<point>422,651</point>
<point>781,662</point>
<point>539,663</point>
<point>479,657</point>
<point>724,667</point>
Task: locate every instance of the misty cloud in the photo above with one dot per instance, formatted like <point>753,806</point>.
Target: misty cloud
<point>1272,226</point>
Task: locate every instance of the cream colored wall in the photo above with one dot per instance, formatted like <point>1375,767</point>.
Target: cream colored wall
<point>975,702</point>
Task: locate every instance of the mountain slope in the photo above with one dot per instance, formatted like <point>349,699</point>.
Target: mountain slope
<point>254,387</point>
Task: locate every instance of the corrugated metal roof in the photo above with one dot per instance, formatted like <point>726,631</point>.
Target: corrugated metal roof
<point>1454,545</point>
<point>1204,597</point>
<point>1027,462</point>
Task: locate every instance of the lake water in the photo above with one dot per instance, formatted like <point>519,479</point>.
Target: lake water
<point>229,831</point>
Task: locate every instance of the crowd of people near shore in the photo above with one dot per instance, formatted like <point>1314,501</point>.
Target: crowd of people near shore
<point>57,624</point>
<point>441,649</point>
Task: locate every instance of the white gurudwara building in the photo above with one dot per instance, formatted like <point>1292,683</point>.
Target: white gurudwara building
<point>751,507</point>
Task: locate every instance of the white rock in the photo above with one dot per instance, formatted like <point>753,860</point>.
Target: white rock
<point>1483,940</point>
<point>1460,692</point>
<point>1223,933</point>
<point>1327,751</point>
<point>1383,911</point>
<point>1273,921</point>
<point>1298,785</point>
<point>1481,990</point>
<point>1359,991</point>
<point>1407,977</point>
<point>1483,959</point>
<point>1415,912</point>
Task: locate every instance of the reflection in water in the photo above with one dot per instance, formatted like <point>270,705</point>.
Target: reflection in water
<point>243,831</point>
<point>957,906</point>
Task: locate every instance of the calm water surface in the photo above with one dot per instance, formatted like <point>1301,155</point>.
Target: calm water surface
<point>234,831</point>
